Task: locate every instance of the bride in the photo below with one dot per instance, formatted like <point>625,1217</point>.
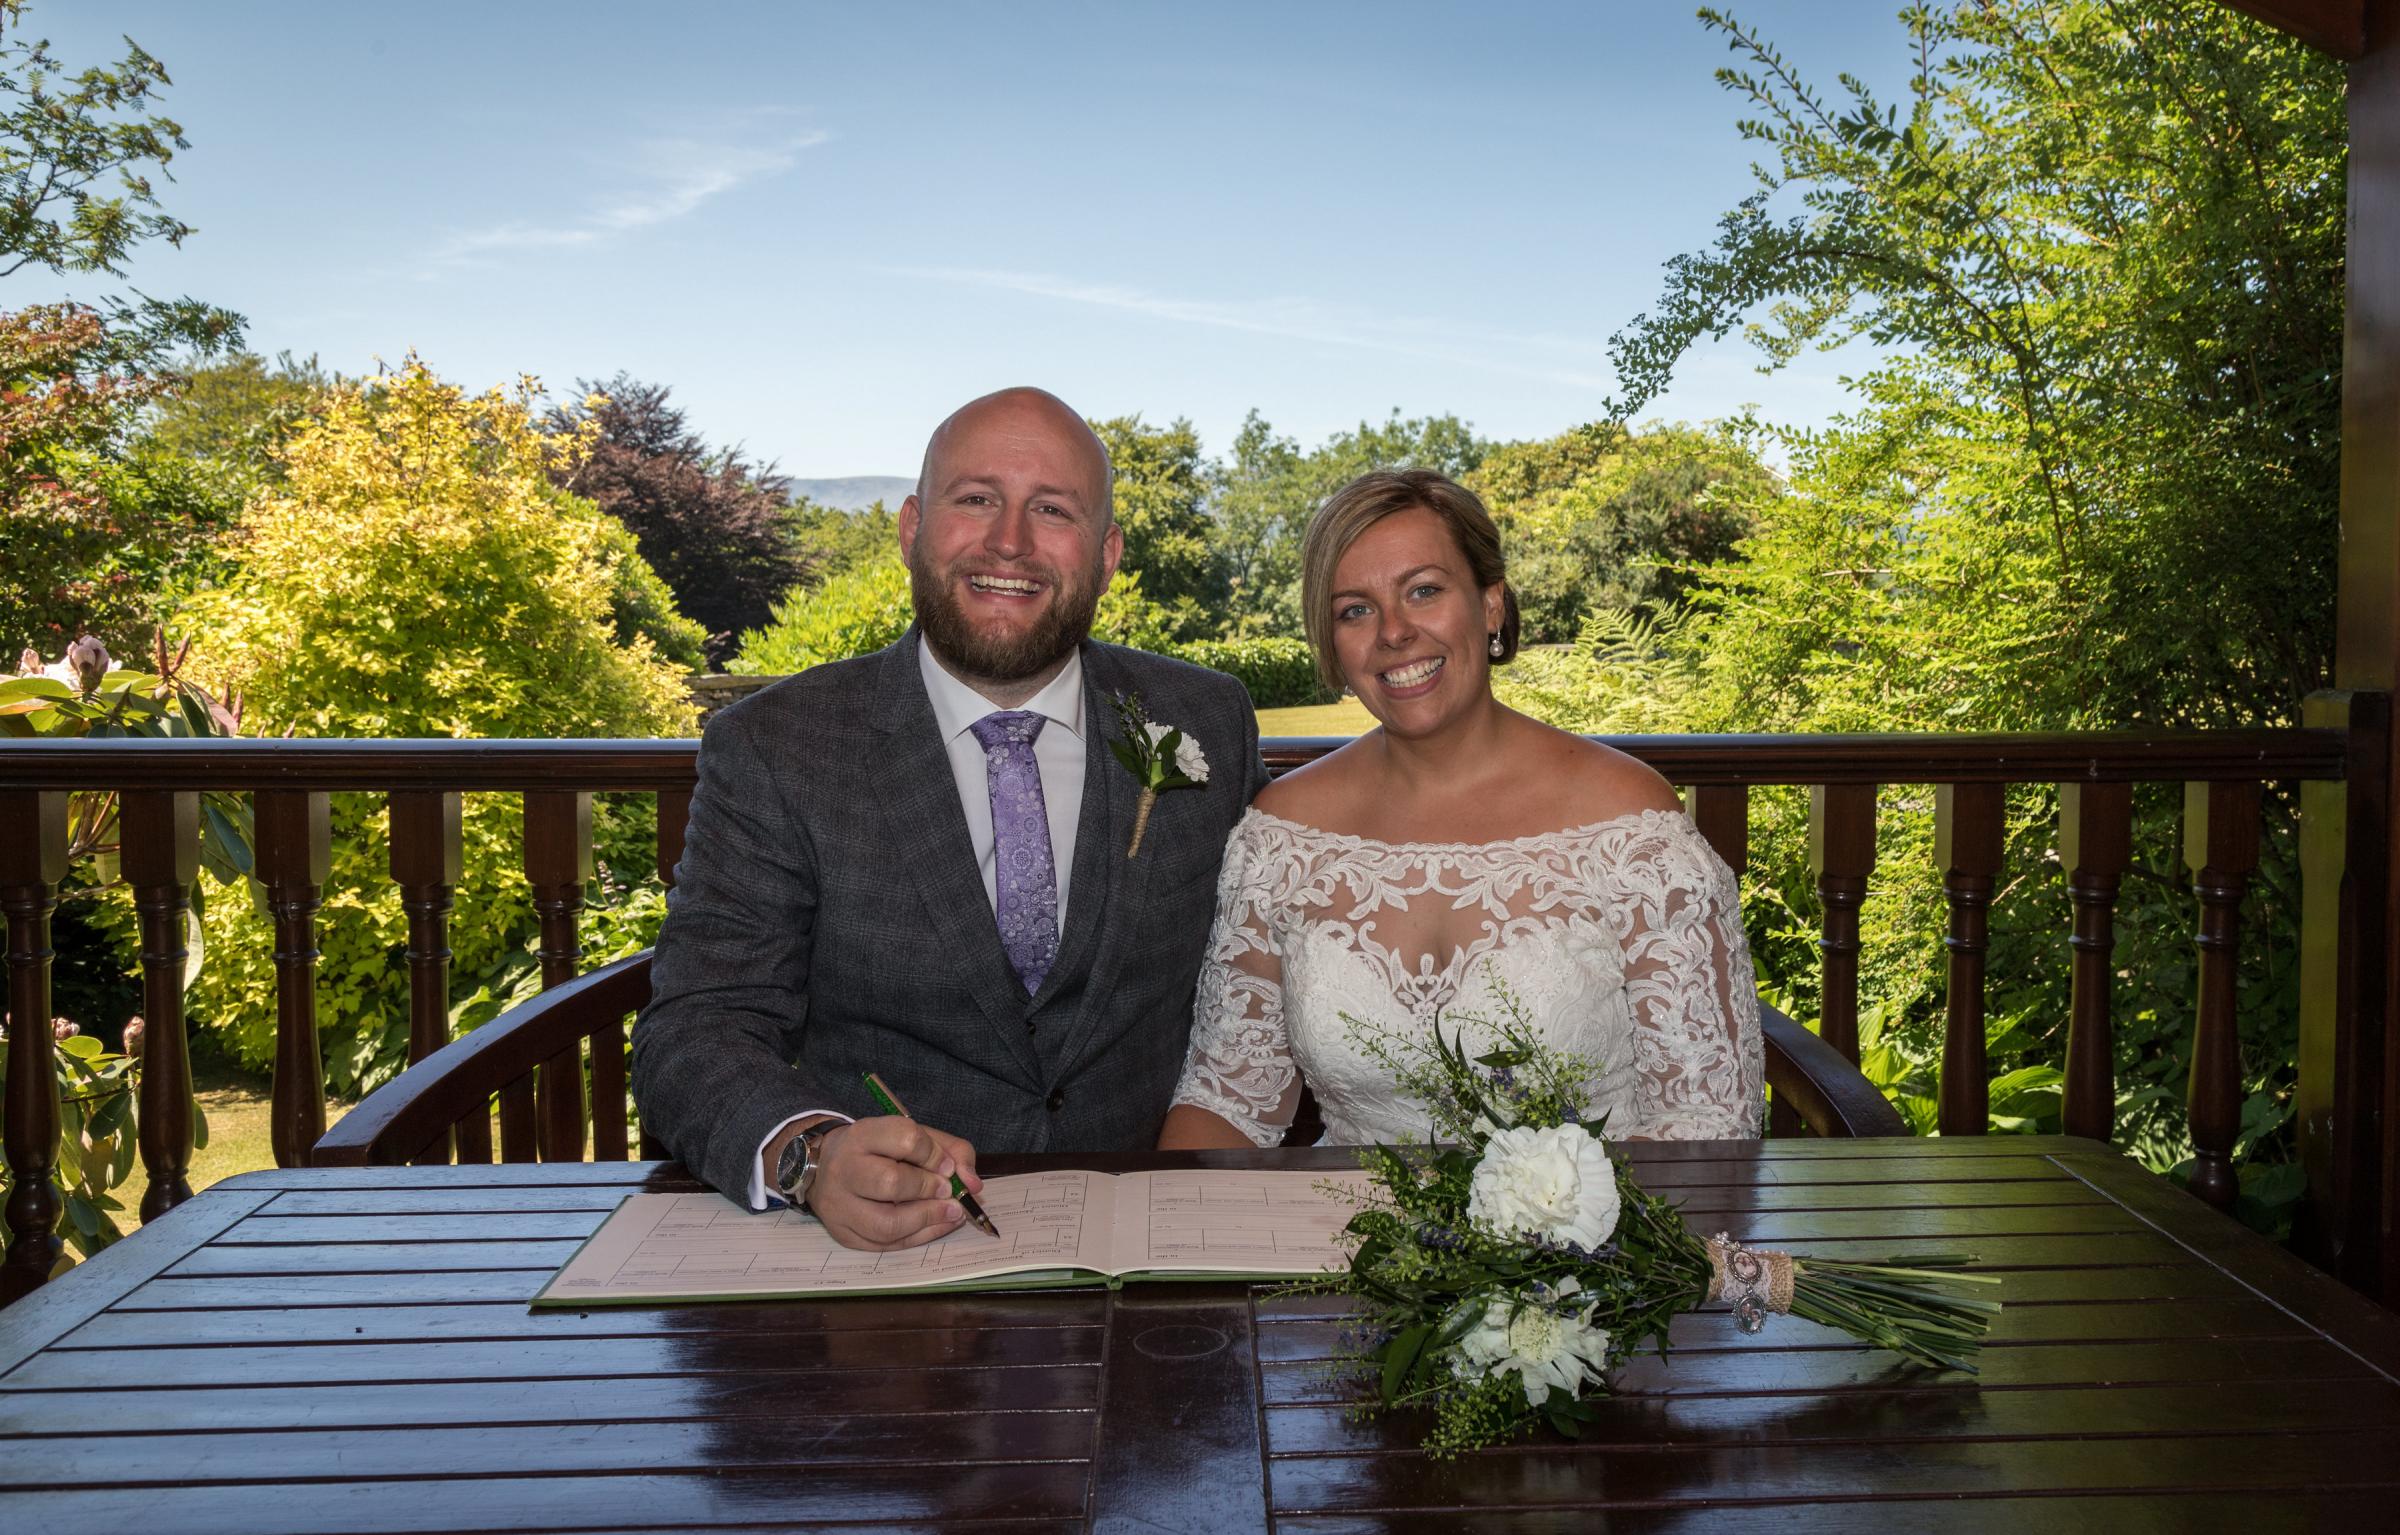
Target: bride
<point>1460,848</point>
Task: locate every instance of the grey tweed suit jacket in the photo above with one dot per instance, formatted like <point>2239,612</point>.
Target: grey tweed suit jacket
<point>828,919</point>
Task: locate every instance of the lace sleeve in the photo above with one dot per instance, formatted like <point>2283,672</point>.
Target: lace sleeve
<point>1240,1064</point>
<point>1699,1062</point>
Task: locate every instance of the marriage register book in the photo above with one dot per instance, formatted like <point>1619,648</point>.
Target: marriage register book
<point>1055,1228</point>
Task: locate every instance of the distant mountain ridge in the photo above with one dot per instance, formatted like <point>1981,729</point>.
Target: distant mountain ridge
<point>856,492</point>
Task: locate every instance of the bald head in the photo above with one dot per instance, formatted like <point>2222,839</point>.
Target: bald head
<point>1019,414</point>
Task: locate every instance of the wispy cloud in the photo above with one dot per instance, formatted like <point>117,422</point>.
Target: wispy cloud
<point>1299,319</point>
<point>669,178</point>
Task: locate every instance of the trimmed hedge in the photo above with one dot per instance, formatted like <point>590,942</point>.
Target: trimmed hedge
<point>1278,670</point>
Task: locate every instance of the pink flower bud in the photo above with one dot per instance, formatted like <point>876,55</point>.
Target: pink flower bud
<point>134,1030</point>
<point>63,1028</point>
<point>88,659</point>
<point>30,663</point>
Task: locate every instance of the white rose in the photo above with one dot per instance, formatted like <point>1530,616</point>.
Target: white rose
<point>1557,1183</point>
<point>1190,761</point>
<point>1542,1345</point>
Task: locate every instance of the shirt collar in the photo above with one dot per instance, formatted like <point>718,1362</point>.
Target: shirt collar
<point>956,706</point>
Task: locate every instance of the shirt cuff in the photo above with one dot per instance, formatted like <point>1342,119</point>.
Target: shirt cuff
<point>759,1194</point>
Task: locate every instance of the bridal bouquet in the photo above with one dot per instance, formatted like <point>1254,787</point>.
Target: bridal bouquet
<point>1503,1275</point>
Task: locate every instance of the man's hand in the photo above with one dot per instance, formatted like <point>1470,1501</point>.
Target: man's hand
<point>885,1183</point>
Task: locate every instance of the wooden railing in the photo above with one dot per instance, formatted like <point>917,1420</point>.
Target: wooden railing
<point>159,784</point>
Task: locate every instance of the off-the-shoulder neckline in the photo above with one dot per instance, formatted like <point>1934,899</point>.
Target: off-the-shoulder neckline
<point>1589,828</point>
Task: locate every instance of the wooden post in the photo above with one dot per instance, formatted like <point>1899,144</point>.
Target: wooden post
<point>1841,849</point>
<point>295,854</point>
<point>558,859</point>
<point>33,859</point>
<point>2366,1193</point>
<point>426,862</point>
<point>159,836</point>
<point>2095,839</point>
<point>1721,814</point>
<point>1969,828</point>
<point>2344,891</point>
<point>674,814</point>
<point>2220,846</point>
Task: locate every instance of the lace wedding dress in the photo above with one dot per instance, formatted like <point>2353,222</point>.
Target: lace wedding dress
<point>1621,940</point>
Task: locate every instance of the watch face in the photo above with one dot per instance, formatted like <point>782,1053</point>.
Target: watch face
<point>790,1162</point>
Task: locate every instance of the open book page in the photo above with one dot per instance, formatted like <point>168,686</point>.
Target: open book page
<point>1209,1221</point>
<point>704,1246</point>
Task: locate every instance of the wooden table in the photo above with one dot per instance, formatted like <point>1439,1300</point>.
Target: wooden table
<point>332,1349</point>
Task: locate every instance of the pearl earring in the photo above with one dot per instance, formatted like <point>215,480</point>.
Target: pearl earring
<point>1498,649</point>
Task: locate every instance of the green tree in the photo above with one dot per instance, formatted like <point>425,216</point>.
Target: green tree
<point>1602,520</point>
<point>232,414</point>
<point>2094,484</point>
<point>838,541</point>
<point>91,533</point>
<point>80,154</point>
<point>2106,244</point>
<point>1265,492</point>
<point>1162,505</point>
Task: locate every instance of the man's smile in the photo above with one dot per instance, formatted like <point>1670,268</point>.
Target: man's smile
<point>1005,586</point>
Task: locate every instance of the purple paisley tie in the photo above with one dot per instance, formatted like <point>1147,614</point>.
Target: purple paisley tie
<point>1025,879</point>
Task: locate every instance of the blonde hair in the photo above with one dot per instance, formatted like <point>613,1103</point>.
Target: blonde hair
<point>1366,501</point>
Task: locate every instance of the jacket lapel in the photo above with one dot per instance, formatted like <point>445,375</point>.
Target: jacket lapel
<point>1107,897</point>
<point>927,833</point>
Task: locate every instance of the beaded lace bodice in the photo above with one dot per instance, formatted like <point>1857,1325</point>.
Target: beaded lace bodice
<point>1621,940</point>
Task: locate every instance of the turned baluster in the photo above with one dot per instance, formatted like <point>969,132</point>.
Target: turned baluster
<point>33,859</point>
<point>1841,849</point>
<point>558,859</point>
<point>2095,836</point>
<point>159,836</point>
<point>1967,838</point>
<point>295,854</point>
<point>426,862</point>
<point>2220,846</point>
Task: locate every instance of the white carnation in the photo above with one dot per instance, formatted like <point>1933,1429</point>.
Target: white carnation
<point>1544,1345</point>
<point>1190,761</point>
<point>1556,1183</point>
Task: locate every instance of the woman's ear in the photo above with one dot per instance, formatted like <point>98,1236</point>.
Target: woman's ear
<point>1495,606</point>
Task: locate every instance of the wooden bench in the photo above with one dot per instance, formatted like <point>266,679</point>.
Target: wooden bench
<point>411,1118</point>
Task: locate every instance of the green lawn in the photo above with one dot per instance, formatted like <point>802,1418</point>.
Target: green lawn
<point>1347,718</point>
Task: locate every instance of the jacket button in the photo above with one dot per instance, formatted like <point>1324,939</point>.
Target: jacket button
<point>1058,1100</point>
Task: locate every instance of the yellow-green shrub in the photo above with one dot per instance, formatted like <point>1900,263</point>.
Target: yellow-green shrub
<point>416,573</point>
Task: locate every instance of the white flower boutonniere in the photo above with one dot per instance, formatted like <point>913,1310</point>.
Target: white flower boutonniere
<point>1160,757</point>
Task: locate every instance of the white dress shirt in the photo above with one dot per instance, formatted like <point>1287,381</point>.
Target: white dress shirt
<point>1057,753</point>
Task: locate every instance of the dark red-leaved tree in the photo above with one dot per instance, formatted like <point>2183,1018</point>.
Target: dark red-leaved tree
<point>709,522</point>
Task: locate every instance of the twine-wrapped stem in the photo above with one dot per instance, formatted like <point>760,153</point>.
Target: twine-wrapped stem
<point>1141,820</point>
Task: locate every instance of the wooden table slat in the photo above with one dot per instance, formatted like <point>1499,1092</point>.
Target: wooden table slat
<point>1863,1474</point>
<point>627,1399</point>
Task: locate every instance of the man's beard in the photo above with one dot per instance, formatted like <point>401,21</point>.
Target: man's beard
<point>1007,657</point>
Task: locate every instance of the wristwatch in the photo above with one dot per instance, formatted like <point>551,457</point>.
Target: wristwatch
<point>797,1167</point>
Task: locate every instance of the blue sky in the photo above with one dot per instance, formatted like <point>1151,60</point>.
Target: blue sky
<point>825,226</point>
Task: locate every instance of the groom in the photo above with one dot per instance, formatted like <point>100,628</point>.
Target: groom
<point>915,863</point>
